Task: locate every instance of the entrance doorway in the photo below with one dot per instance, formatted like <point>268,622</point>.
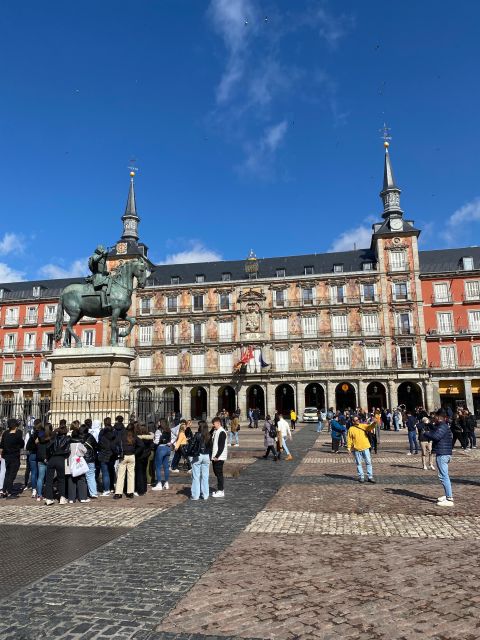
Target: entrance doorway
<point>345,396</point>
<point>284,399</point>
<point>410,395</point>
<point>171,401</point>
<point>376,396</point>
<point>256,399</point>
<point>198,403</point>
<point>315,396</point>
<point>226,399</point>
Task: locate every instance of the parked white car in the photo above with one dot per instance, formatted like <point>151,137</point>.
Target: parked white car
<point>310,414</point>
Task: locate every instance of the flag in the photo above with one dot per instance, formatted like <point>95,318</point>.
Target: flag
<point>263,364</point>
<point>245,358</point>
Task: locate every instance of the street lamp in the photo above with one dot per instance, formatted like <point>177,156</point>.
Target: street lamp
<point>255,391</point>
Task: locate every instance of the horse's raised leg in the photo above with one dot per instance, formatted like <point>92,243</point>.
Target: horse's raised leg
<point>114,326</point>
<point>132,322</point>
<point>69,332</point>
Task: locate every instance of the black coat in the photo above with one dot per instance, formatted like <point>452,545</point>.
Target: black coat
<point>106,450</point>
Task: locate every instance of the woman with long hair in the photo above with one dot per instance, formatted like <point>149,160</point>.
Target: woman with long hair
<point>128,445</point>
<point>162,458</point>
<point>43,442</point>
<point>200,448</point>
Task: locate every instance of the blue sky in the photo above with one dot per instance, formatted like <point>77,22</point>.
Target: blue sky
<point>254,124</point>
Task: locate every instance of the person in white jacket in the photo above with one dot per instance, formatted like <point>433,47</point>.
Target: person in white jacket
<point>283,430</point>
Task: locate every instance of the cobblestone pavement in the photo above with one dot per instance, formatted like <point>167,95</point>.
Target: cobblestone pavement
<point>295,550</point>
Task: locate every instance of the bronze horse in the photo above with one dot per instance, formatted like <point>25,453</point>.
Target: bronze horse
<point>80,300</point>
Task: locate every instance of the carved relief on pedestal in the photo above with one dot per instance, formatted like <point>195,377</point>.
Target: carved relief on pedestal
<point>124,386</point>
<point>83,386</point>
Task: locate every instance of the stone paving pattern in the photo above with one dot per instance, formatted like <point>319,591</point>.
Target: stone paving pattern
<point>296,550</point>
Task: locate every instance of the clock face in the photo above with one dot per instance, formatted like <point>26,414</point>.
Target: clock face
<point>396,224</point>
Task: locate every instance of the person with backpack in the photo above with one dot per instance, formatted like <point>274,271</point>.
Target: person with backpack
<point>199,450</point>
<point>270,439</point>
<point>10,446</point>
<point>58,452</point>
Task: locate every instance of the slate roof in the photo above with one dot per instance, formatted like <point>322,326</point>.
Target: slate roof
<point>431,262</point>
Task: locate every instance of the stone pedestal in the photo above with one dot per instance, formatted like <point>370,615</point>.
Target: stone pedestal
<point>90,382</point>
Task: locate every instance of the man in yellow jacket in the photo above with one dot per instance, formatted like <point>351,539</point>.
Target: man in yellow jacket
<point>358,441</point>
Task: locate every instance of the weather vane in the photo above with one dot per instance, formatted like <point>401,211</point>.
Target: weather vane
<point>385,131</point>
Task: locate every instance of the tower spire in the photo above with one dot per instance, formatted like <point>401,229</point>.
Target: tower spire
<point>130,218</point>
<point>390,193</point>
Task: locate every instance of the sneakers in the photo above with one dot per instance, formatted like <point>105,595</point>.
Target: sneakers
<point>136,494</point>
<point>34,493</point>
<point>49,502</point>
<point>371,480</point>
<point>39,498</point>
<point>117,496</point>
<point>95,497</point>
<point>175,470</point>
<point>130,495</point>
<point>432,467</point>
<point>448,502</point>
<point>166,485</point>
<point>409,454</point>
<point>361,479</point>
<point>157,487</point>
<point>71,501</point>
<point>84,501</point>
<point>425,467</point>
<point>105,494</point>
<point>63,500</point>
<point>289,457</point>
<point>218,494</point>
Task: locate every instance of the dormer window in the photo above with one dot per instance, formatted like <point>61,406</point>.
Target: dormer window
<point>174,280</point>
<point>36,292</point>
<point>308,271</point>
<point>280,273</point>
<point>1,294</point>
<point>200,278</point>
<point>467,263</point>
<point>226,277</point>
<point>367,266</point>
<point>338,268</point>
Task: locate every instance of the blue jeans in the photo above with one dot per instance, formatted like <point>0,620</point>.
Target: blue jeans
<point>42,472</point>
<point>442,466</point>
<point>162,459</point>
<point>284,445</point>
<point>105,476</point>
<point>359,457</point>
<point>91,482</point>
<point>233,435</point>
<point>319,426</point>
<point>32,459</point>
<point>412,441</point>
<point>200,470</point>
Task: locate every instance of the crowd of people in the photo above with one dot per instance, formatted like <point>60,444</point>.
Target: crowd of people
<point>82,462</point>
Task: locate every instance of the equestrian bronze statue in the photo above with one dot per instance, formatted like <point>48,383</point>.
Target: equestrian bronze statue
<point>103,295</point>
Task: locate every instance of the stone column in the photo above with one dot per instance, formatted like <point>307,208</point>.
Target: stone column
<point>300,399</point>
<point>468,394</point>
<point>330,399</point>
<point>362,395</point>
<point>241,391</point>
<point>270,399</point>
<point>185,401</point>
<point>429,396</point>
<point>392,394</point>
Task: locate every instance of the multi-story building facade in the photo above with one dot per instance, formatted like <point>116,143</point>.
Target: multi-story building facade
<point>334,329</point>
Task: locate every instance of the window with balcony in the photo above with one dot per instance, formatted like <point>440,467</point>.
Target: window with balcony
<point>474,321</point>
<point>308,271</point>
<point>88,337</point>
<point>198,364</point>
<point>400,291</point>
<point>197,332</point>
<point>144,365</point>
<point>404,323</point>
<point>27,370</point>
<point>372,357</point>
<point>308,295</point>
<point>279,297</point>
<point>448,357</point>
<point>31,315</point>
<point>280,273</point>
<point>281,360</point>
<point>445,323</point>
<point>226,363</point>
<point>8,371</point>
<point>339,325</point>
<point>145,335</point>
<point>11,316</point>
<point>368,293</point>
<point>337,294</point>
<point>341,358</point>
<point>280,328</point>
<point>172,304</point>
<point>171,333</point>
<point>226,277</point>
<point>198,302</point>
<point>476,355</point>
<point>29,341</point>
<point>225,331</point>
<point>48,342</point>
<point>441,292</point>
<point>50,313</point>
<point>224,301</point>
<point>472,290</point>
<point>398,260</point>
<point>405,357</point>
<point>174,280</point>
<point>309,327</point>
<point>467,263</point>
<point>45,370</point>
<point>310,359</point>
<point>370,324</point>
<point>145,306</point>
<point>10,343</point>
<point>171,365</point>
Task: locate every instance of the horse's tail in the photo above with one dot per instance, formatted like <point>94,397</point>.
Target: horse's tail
<point>59,320</point>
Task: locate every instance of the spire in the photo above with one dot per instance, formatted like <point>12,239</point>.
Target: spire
<point>130,218</point>
<point>390,193</point>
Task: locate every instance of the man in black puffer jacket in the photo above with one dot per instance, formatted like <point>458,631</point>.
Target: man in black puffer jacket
<point>441,437</point>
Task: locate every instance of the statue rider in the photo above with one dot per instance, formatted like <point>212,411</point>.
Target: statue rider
<point>100,278</point>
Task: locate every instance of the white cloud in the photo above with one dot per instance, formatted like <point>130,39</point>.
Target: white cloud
<point>7,274</point>
<point>457,225</point>
<point>332,28</point>
<point>11,242</point>
<point>76,269</point>
<point>259,155</point>
<point>197,252</point>
<point>360,237</point>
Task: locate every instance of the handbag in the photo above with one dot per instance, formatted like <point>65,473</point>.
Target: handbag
<point>78,466</point>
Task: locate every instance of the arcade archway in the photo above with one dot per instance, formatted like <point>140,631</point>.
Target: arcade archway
<point>410,395</point>
<point>227,399</point>
<point>376,396</point>
<point>198,403</point>
<point>284,399</point>
<point>315,396</point>
<point>256,399</point>
<point>345,396</point>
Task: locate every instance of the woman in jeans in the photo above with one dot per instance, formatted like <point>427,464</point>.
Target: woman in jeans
<point>162,458</point>
<point>91,446</point>
<point>43,442</point>
<point>200,447</point>
<point>59,451</point>
<point>106,457</point>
